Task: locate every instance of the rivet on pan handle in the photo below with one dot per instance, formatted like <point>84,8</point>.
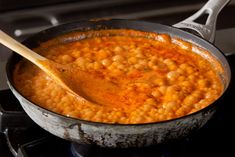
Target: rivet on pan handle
<point>207,30</point>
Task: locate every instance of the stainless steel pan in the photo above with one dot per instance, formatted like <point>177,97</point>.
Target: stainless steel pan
<point>133,135</point>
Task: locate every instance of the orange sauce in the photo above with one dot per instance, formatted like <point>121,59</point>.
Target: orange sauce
<point>160,77</point>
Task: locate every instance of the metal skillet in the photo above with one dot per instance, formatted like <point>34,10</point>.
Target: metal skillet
<point>128,135</point>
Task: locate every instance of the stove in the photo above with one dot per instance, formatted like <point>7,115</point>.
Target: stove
<point>21,137</point>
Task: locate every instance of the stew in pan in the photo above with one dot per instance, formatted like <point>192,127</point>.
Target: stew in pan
<point>160,77</point>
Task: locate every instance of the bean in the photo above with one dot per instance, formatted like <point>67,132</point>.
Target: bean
<point>132,60</point>
<point>156,93</point>
<point>106,62</point>
<point>172,75</point>
<point>118,49</point>
<point>164,38</point>
<point>118,58</point>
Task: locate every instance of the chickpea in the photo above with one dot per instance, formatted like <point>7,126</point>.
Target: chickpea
<point>139,66</point>
<point>203,83</point>
<point>139,53</point>
<point>118,49</point>
<point>81,62</point>
<point>191,99</point>
<point>106,62</point>
<point>150,101</point>
<point>164,38</point>
<point>162,89</point>
<point>118,58</point>
<point>190,70</point>
<point>102,54</point>
<point>142,62</point>
<point>97,65</point>
<point>156,93</point>
<point>183,66</point>
<point>155,67</point>
<point>76,53</point>
<point>160,82</point>
<point>181,78</point>
<point>170,64</point>
<point>169,106</point>
<point>172,75</point>
<point>132,60</point>
<point>151,64</point>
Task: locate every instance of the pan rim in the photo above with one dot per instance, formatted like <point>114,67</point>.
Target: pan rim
<point>212,105</point>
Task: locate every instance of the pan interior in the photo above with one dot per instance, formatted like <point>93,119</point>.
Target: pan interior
<point>223,70</point>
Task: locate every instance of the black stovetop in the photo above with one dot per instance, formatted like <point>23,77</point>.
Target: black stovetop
<point>22,137</point>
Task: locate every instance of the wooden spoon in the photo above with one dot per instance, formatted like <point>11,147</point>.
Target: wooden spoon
<point>75,81</point>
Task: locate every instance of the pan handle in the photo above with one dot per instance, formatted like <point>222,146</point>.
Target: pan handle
<point>207,30</point>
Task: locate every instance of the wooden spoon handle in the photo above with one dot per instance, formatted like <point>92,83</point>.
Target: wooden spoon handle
<point>20,49</point>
